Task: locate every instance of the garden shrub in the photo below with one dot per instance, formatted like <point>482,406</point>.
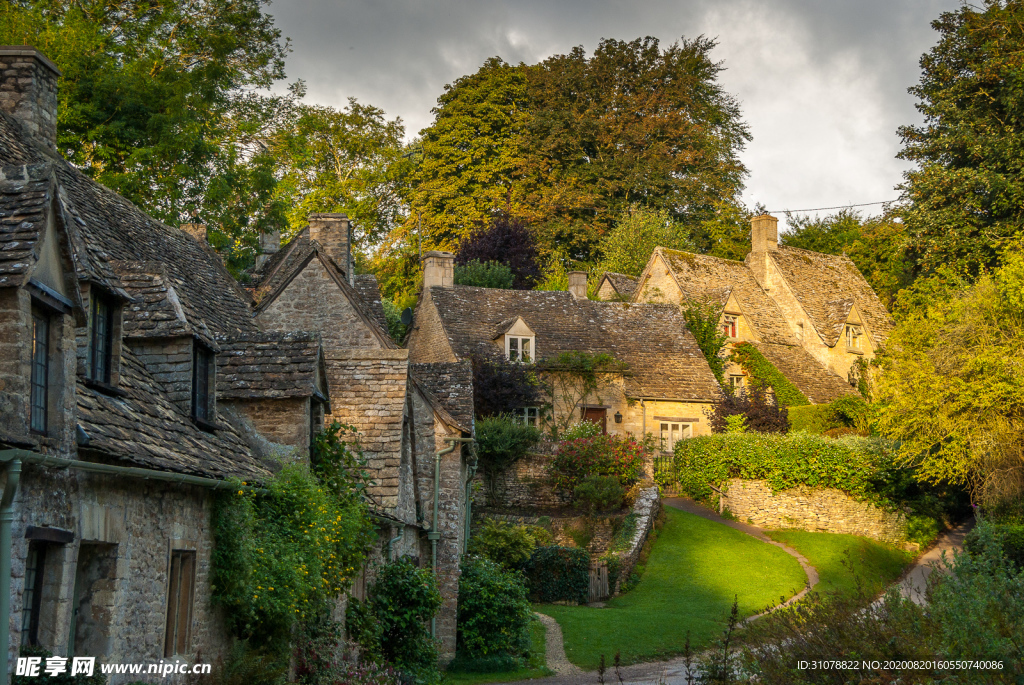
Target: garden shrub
<point>811,418</point>
<point>501,387</point>
<point>484,274</point>
<point>501,442</point>
<point>602,455</point>
<point>558,574</point>
<point>494,611</point>
<point>1008,538</point>
<point>784,461</point>
<point>393,625</point>
<point>922,529</point>
<point>598,493</point>
<point>284,554</point>
<point>582,429</point>
<point>763,374</point>
<point>759,413</point>
<point>507,545</point>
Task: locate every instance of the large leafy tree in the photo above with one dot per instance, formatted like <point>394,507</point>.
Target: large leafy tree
<point>967,192</point>
<point>570,143</point>
<point>152,98</point>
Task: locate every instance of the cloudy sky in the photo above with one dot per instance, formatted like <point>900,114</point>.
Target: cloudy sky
<point>822,83</point>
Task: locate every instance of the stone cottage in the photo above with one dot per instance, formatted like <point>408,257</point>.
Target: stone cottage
<point>812,315</point>
<point>136,377</point>
<point>665,390</point>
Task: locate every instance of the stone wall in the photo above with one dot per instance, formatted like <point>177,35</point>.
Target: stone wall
<point>170,362</point>
<point>284,421</point>
<point>524,486</point>
<point>646,508</point>
<point>821,509</point>
<point>28,90</point>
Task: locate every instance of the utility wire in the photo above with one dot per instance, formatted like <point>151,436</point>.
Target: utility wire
<point>821,209</point>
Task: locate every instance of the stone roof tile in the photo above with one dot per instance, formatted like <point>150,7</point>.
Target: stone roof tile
<point>269,365</point>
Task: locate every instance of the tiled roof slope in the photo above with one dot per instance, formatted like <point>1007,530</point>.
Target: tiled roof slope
<point>816,278</point>
<point>369,291</point>
<point>715,278</point>
<point>623,284</point>
<point>158,309</point>
<point>25,193</point>
<point>653,339</point>
<point>451,383</point>
<point>143,427</point>
<point>268,365</point>
<point>112,228</point>
<point>816,382</point>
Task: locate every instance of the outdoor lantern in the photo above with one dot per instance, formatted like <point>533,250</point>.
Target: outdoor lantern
<point>618,417</point>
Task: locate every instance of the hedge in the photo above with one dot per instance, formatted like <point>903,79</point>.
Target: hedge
<point>859,468</point>
<point>556,574</point>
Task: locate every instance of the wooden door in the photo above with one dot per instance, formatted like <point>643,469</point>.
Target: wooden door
<point>598,416</point>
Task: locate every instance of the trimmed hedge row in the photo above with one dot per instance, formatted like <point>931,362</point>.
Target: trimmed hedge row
<point>556,574</point>
<point>857,467</point>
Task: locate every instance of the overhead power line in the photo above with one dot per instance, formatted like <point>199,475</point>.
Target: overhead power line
<point>821,209</point>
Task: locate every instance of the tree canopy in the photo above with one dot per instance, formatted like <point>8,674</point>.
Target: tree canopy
<point>966,194</point>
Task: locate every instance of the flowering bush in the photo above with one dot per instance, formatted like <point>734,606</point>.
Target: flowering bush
<point>494,611</point>
<point>601,455</point>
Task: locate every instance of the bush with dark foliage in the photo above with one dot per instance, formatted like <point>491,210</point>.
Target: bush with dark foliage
<point>760,411</point>
<point>502,387</point>
<point>507,241</point>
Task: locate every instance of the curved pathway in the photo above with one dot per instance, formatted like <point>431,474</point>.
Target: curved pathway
<point>554,654</point>
<point>915,580</point>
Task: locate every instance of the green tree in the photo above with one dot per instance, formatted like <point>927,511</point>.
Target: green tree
<point>952,390</point>
<point>147,94</point>
<point>638,230</point>
<point>966,194</point>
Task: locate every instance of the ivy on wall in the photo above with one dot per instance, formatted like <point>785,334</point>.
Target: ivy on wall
<point>762,372</point>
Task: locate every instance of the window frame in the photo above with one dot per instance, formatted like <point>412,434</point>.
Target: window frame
<point>32,594</point>
<point>39,392</point>
<point>101,342</point>
<point>741,384</point>
<point>731,325</point>
<point>204,370</point>
<point>685,433</point>
<point>853,335</point>
<point>531,356</point>
<point>176,631</point>
<point>524,414</point>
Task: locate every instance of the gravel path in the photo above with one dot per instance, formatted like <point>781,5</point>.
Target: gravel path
<point>915,580</point>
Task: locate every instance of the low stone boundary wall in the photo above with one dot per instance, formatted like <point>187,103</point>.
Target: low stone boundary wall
<point>819,509</point>
<point>646,508</point>
<point>524,486</point>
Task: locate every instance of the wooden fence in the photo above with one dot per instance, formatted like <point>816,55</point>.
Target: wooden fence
<point>598,583</point>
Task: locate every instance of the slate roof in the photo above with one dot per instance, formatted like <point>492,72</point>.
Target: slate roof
<point>451,384</point>
<point>24,204</point>
<point>653,339</point>
<point>816,382</point>
<point>145,428</point>
<point>269,365</point>
<point>624,285</point>
<point>158,309</point>
<point>816,278</point>
<point>369,291</point>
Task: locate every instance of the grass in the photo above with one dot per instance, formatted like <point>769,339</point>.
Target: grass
<point>841,559</point>
<point>695,569</point>
<point>535,667</point>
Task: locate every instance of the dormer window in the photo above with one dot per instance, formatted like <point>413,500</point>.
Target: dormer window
<point>853,336</point>
<point>519,348</point>
<point>203,376</point>
<point>730,323</point>
<point>102,342</point>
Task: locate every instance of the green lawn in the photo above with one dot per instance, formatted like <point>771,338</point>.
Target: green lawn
<point>694,571</point>
<point>534,669</point>
<point>840,559</point>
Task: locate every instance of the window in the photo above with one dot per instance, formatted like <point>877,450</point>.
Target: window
<point>853,334</point>
<point>671,433</point>
<point>180,591</point>
<point>737,381</point>
<point>202,383</point>
<point>518,348</point>
<point>40,371</point>
<point>528,415</point>
<point>102,338</point>
<point>729,322</point>
<point>32,597</point>
<point>800,331</point>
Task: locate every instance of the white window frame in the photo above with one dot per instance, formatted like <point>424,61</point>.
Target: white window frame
<point>737,381</point>
<point>732,323</point>
<point>528,416</point>
<point>520,339</point>
<point>672,432</point>
<point>853,336</point>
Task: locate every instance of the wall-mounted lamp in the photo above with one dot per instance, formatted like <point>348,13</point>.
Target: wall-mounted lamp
<point>618,417</point>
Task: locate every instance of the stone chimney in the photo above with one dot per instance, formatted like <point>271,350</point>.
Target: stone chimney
<point>333,233</point>
<point>270,244</point>
<point>578,284</point>
<point>764,233</point>
<point>28,91</point>
<point>197,231</point>
<point>438,269</point>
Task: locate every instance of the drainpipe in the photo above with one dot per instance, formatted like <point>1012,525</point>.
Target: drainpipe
<point>392,541</point>
<point>6,517</point>
<point>434,535</point>
<point>469,505</point>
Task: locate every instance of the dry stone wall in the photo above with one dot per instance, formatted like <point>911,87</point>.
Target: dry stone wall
<point>819,509</point>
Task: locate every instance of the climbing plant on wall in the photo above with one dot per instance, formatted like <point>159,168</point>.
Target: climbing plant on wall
<point>762,372</point>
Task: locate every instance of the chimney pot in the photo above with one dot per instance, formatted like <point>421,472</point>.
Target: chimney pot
<point>764,233</point>
<point>331,231</point>
<point>438,269</point>
<point>578,284</point>
<point>29,91</point>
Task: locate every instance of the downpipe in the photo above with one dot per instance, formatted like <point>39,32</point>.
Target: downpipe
<point>392,541</point>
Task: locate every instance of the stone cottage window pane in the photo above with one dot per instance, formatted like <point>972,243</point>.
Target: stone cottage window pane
<point>40,370</point>
<point>33,594</point>
<point>102,330</point>
<point>513,349</point>
<point>202,382</point>
<point>526,350</point>
<point>180,591</point>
